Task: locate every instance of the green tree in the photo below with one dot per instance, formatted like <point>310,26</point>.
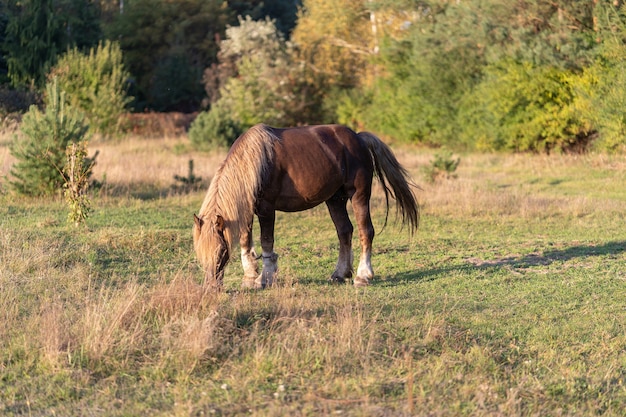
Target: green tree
<point>446,53</point>
<point>335,41</point>
<point>166,47</point>
<point>40,150</point>
<point>38,30</point>
<point>95,83</point>
<point>33,38</point>
<point>522,107</point>
<point>268,87</point>
<point>602,86</point>
<point>427,72</point>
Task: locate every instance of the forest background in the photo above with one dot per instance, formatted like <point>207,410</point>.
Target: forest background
<point>523,75</point>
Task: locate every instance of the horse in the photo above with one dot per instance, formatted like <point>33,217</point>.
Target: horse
<point>295,169</point>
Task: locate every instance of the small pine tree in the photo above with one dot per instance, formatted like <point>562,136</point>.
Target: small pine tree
<point>189,183</point>
<point>40,149</point>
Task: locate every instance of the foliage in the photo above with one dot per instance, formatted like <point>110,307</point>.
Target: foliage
<point>95,84</point>
<point>524,108</point>
<point>38,30</point>
<point>269,87</point>
<point>166,47</point>
<point>40,149</point>
<point>443,166</point>
<point>603,83</point>
<point>214,129</point>
<point>77,171</point>
<point>489,74</point>
<point>428,71</point>
<point>335,40</point>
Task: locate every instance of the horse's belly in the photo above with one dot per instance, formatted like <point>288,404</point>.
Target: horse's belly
<point>298,197</point>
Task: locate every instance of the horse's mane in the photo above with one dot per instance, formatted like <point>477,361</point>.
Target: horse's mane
<point>235,186</point>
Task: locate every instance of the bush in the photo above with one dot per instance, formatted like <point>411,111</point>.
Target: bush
<point>95,84</point>
<point>214,129</point>
<point>522,107</point>
<point>41,149</point>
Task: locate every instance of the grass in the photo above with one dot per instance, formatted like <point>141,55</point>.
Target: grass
<point>508,301</point>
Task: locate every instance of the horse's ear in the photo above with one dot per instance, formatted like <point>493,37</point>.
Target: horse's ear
<point>219,223</point>
<point>198,221</point>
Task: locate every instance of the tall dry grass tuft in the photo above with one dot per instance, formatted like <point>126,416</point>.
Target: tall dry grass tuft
<point>54,336</point>
<point>111,322</point>
<point>189,319</point>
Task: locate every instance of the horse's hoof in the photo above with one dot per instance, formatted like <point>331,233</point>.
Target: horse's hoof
<point>337,280</point>
<point>361,282</point>
<point>251,284</point>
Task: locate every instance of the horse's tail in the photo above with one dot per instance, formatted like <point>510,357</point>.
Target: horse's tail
<point>394,179</point>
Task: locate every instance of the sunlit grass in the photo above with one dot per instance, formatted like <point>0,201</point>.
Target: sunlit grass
<point>509,300</point>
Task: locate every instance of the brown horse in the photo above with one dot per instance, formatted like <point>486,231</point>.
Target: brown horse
<point>295,169</point>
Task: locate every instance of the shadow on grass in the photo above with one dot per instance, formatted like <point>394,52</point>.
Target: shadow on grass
<point>609,249</point>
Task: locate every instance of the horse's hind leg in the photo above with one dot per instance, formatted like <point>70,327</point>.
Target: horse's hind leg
<point>339,214</point>
<point>248,259</point>
<point>361,206</point>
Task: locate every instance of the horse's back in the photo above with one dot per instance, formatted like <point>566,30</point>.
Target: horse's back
<point>312,163</point>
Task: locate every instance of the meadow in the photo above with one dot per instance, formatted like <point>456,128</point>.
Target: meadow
<point>510,300</point>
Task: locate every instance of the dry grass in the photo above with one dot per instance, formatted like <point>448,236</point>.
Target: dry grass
<point>112,320</point>
<point>135,163</point>
<point>132,162</point>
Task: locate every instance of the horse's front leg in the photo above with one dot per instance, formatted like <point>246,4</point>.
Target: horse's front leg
<point>267,218</point>
<point>248,258</point>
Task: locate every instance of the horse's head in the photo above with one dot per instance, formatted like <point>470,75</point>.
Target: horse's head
<point>211,247</point>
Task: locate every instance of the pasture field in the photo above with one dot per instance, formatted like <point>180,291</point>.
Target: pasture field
<point>509,300</point>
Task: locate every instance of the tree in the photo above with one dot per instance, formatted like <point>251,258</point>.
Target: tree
<point>602,86</point>
<point>428,70</point>
<point>259,56</point>
<point>282,12</point>
<point>267,85</point>
<point>335,41</point>
<point>38,30</point>
<point>450,48</point>
<point>166,47</point>
<point>522,107</point>
<point>33,38</point>
<point>40,151</point>
<point>95,84</point>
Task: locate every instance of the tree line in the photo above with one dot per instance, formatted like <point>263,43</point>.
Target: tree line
<point>516,75</point>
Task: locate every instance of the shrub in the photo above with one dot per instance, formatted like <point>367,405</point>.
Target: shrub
<point>95,83</point>
<point>214,129</point>
<point>522,107</point>
<point>40,150</point>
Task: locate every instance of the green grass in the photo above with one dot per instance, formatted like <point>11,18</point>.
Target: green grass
<point>509,300</point>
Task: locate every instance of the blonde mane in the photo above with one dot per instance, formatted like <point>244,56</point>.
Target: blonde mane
<point>235,186</point>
